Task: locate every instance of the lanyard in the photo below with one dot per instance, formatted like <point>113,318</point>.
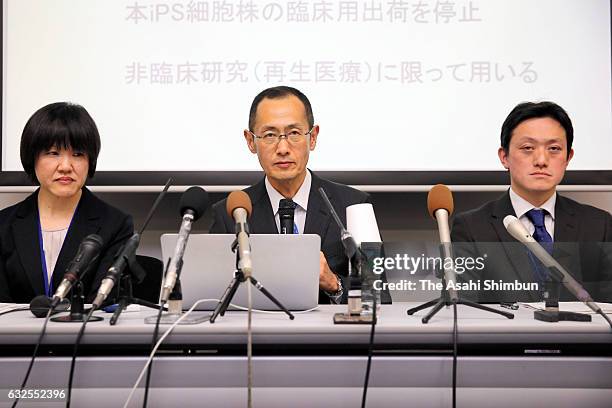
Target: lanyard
<point>48,281</point>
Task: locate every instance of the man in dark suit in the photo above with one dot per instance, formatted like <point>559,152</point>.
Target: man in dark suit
<point>20,257</point>
<point>536,147</point>
<point>282,133</point>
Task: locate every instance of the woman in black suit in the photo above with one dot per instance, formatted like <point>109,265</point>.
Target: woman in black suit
<point>40,235</point>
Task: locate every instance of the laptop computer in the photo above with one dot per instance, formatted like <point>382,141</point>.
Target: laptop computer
<point>286,265</point>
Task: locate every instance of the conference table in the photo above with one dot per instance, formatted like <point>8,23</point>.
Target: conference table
<point>311,362</point>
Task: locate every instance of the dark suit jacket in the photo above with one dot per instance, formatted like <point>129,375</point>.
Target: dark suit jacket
<point>318,220</point>
<point>20,264</point>
<point>579,233</point>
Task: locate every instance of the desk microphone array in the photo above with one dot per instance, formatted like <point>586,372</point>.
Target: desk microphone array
<point>193,205</point>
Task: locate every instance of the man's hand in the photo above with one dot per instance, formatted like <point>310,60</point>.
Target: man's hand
<point>327,279</point>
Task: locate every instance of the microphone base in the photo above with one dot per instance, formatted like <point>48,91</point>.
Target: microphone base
<point>345,318</point>
<point>76,318</point>
<point>444,300</point>
<point>239,277</point>
<point>78,313</point>
<point>126,298</point>
<point>171,318</point>
<point>561,316</point>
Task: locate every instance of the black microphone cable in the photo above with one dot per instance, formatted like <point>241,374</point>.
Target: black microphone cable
<point>196,200</point>
<point>370,351</point>
<point>154,340</point>
<point>52,308</point>
<point>93,309</point>
<point>19,309</point>
<point>74,354</point>
<point>42,333</point>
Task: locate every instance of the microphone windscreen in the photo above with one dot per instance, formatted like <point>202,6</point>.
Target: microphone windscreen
<point>194,199</point>
<point>238,199</point>
<point>286,207</point>
<point>94,239</point>
<point>516,228</point>
<point>440,198</point>
<point>509,219</point>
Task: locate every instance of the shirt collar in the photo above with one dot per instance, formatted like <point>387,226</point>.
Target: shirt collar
<point>300,198</point>
<point>521,206</point>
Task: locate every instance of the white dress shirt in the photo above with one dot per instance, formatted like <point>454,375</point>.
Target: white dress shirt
<point>521,206</point>
<point>300,198</point>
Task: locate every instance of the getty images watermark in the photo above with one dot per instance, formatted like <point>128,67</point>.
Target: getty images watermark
<point>424,263</point>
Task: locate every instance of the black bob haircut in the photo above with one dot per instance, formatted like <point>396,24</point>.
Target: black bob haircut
<point>62,125</point>
<point>530,110</point>
<point>276,93</point>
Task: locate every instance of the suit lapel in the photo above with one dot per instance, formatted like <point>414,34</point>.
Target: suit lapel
<point>262,220</point>
<point>317,216</point>
<point>515,252</point>
<point>566,228</point>
<point>566,250</point>
<point>85,221</point>
<point>27,243</point>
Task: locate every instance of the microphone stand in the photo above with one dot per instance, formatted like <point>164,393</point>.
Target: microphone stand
<point>174,307</point>
<point>77,310</point>
<point>445,300</point>
<point>125,295</point>
<point>353,315</point>
<point>230,291</point>
<point>552,313</point>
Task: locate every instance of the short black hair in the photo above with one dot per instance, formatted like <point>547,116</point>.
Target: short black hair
<point>276,93</point>
<point>63,125</point>
<point>530,110</point>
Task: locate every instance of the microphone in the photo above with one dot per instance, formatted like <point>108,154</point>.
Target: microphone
<point>348,242</point>
<point>440,206</point>
<point>125,254</point>
<point>40,305</point>
<point>286,210</point>
<point>193,205</point>
<point>239,208</point>
<point>519,232</point>
<point>114,272</point>
<point>86,255</point>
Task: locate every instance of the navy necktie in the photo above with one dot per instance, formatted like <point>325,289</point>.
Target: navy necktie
<point>543,238</point>
<point>540,234</point>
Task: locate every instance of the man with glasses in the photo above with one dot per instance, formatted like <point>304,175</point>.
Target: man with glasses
<point>282,133</point>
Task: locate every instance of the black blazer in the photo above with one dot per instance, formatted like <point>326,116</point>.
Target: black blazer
<point>579,233</point>
<point>20,263</point>
<point>318,220</point>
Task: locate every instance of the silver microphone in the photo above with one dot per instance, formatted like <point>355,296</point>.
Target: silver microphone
<point>193,204</point>
<point>239,207</point>
<point>440,206</point>
<point>516,228</point>
<point>244,246</point>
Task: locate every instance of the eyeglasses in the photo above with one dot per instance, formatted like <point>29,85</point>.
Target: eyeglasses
<point>271,137</point>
